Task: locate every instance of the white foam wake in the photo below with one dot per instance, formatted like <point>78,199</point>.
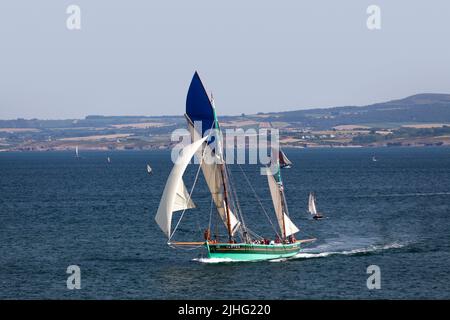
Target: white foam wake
<point>372,248</point>
<point>312,253</point>
<point>213,260</point>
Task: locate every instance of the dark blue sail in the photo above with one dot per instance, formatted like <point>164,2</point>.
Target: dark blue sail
<point>198,105</point>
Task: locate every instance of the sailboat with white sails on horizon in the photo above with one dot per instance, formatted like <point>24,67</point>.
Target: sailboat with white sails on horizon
<point>312,207</point>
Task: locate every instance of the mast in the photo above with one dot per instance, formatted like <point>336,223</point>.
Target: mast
<point>225,197</point>
<point>199,109</point>
<point>222,169</point>
<point>287,227</point>
<point>283,200</point>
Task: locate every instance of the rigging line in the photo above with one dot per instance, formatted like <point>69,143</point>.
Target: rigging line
<point>238,210</point>
<point>259,201</point>
<point>210,212</point>
<point>190,193</point>
<point>251,232</point>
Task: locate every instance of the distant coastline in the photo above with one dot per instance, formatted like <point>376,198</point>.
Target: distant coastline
<point>415,121</point>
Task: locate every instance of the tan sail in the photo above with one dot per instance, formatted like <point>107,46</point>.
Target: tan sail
<point>175,195</point>
<point>283,220</point>
<point>213,177</point>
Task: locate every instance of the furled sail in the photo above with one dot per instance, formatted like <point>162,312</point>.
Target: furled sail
<point>175,196</point>
<point>312,204</point>
<point>283,220</point>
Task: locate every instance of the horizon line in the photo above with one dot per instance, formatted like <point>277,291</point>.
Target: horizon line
<point>224,115</point>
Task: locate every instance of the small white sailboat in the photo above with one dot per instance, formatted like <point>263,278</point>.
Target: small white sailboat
<point>77,155</point>
<point>312,207</point>
<point>285,163</point>
<point>108,159</point>
<point>374,159</point>
<point>149,169</point>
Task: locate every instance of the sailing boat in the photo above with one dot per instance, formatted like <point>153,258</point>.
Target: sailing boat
<point>285,163</point>
<point>312,207</point>
<point>149,169</point>
<point>76,152</point>
<point>240,243</point>
<point>108,159</point>
<point>374,159</point>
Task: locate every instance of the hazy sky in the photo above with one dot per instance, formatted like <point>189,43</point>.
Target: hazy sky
<point>138,57</point>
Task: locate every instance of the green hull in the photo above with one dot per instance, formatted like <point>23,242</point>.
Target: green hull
<point>251,252</point>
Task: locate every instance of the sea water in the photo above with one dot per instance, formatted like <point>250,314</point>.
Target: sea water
<point>57,211</point>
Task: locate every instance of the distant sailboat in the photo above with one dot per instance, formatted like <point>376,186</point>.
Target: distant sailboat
<point>374,159</point>
<point>312,207</point>
<point>285,163</point>
<point>77,155</point>
<point>109,160</point>
<point>149,169</point>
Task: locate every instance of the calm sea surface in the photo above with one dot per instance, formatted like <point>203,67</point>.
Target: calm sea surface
<point>57,211</point>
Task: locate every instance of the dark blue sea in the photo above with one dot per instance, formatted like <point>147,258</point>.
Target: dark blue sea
<point>57,211</point>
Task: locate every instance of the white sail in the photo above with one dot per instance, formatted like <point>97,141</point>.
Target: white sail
<point>312,204</point>
<point>284,161</point>
<point>282,217</point>
<point>213,177</point>
<point>149,169</point>
<point>76,151</point>
<point>214,181</point>
<point>175,195</point>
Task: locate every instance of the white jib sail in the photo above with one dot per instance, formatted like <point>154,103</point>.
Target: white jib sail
<point>290,227</point>
<point>175,195</point>
<point>312,205</point>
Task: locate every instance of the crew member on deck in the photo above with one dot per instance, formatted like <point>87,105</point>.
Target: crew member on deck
<point>207,235</point>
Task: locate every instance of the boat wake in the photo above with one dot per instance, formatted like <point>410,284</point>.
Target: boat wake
<point>213,260</point>
<point>312,252</point>
<point>317,252</point>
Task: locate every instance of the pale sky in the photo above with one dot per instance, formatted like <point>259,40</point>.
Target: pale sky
<point>138,57</point>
